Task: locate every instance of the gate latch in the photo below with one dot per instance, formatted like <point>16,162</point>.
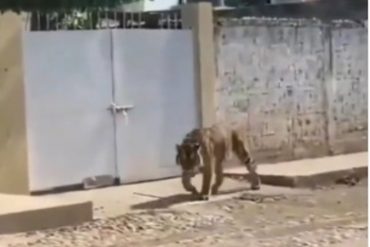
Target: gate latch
<point>114,108</point>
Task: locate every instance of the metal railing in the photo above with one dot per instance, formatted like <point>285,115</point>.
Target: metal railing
<point>91,19</point>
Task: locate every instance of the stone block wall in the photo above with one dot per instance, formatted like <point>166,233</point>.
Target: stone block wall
<point>303,84</point>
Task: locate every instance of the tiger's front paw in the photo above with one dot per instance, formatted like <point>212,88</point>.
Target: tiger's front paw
<point>203,197</point>
<point>255,187</point>
<point>214,190</point>
<point>195,192</point>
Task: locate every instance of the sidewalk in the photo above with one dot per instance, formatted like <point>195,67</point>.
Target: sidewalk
<point>23,213</point>
<point>27,213</point>
<point>309,172</point>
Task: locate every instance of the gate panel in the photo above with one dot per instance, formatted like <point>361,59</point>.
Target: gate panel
<point>68,81</point>
<point>154,74</point>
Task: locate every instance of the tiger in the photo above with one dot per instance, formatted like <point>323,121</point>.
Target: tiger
<point>204,150</point>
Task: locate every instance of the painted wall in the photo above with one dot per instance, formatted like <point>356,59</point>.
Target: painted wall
<point>303,84</point>
<point>13,143</point>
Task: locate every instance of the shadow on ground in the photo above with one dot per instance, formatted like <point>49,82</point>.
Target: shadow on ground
<point>166,202</point>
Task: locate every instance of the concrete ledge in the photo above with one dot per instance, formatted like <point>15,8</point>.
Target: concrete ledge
<point>47,217</point>
<point>314,180</point>
<point>309,173</point>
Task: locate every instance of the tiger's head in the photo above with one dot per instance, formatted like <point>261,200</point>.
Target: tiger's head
<point>188,157</point>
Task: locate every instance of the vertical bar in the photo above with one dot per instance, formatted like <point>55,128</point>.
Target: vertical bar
<point>63,14</point>
<point>175,20</point>
<point>106,9</point>
<point>168,20</point>
<point>131,21</point>
<point>73,23</point>
<point>180,26</point>
<point>98,18</point>
<point>90,18</point>
<point>115,16</point>
<point>38,20</point>
<point>62,27</point>
<point>123,18</point>
<point>139,26</point>
<point>47,21</point>
<point>161,18</point>
<point>106,16</point>
<point>57,20</point>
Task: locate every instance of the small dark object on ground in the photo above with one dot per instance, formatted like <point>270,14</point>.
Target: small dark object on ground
<point>350,180</point>
<point>261,198</point>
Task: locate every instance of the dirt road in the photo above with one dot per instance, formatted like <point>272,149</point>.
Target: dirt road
<point>335,217</point>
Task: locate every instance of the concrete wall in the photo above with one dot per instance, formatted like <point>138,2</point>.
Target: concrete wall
<point>13,144</point>
<point>302,83</point>
<point>348,89</point>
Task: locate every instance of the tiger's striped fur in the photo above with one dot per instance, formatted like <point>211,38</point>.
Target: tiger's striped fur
<point>204,150</point>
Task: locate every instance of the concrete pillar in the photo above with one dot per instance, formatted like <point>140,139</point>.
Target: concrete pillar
<point>13,141</point>
<point>199,17</point>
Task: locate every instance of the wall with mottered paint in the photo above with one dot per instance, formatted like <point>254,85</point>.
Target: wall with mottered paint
<point>303,84</point>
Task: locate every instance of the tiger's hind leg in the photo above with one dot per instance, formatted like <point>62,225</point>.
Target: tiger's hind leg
<point>241,151</point>
<point>251,168</point>
<point>219,177</point>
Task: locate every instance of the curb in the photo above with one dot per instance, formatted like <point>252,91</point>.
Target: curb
<point>45,218</point>
<point>309,181</point>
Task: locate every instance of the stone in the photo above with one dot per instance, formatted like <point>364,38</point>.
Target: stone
<point>296,240</point>
<point>311,202</point>
<point>335,238</point>
<point>269,200</point>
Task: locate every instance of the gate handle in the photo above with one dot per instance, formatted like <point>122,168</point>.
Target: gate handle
<point>117,108</point>
<point>121,109</point>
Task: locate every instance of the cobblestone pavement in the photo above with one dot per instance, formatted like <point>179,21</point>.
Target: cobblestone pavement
<point>335,217</point>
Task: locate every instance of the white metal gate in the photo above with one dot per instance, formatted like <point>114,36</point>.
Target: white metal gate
<point>159,86</point>
<point>72,79</point>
